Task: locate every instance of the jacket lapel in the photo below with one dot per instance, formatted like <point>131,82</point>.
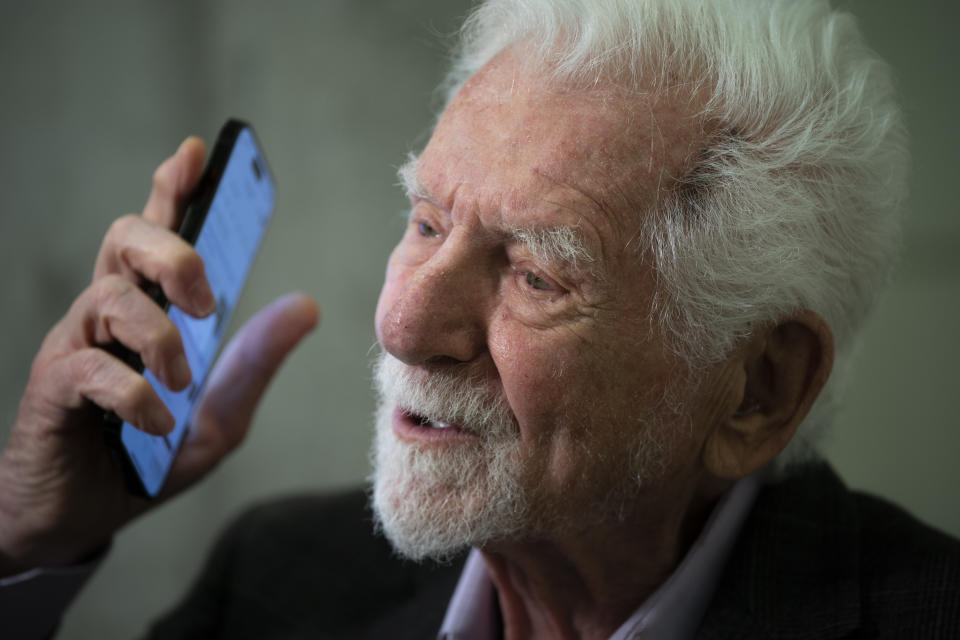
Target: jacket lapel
<point>795,571</point>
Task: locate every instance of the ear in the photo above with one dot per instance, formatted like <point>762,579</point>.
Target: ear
<point>784,368</point>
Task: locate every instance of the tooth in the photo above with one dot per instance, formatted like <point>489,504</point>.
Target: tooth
<point>439,424</point>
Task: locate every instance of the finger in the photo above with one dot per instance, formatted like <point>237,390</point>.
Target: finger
<point>173,181</point>
<point>113,310</point>
<point>140,250</point>
<point>94,375</point>
<point>238,381</point>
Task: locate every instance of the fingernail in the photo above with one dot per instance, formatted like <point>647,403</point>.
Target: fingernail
<point>180,372</point>
<point>202,298</point>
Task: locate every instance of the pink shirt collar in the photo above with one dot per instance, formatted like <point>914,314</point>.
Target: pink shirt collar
<point>673,611</point>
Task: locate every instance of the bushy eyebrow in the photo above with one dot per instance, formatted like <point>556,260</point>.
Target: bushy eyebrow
<point>560,244</point>
<point>557,244</point>
<point>408,178</point>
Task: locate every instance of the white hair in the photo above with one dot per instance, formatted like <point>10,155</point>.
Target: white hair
<point>794,204</point>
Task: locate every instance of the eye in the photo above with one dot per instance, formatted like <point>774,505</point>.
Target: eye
<point>427,231</point>
<point>536,282</point>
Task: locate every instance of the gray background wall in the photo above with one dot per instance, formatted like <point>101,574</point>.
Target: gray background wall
<point>93,95</point>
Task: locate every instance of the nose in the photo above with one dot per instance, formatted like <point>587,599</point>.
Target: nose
<point>435,311</point>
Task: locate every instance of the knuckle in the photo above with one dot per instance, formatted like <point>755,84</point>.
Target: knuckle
<point>161,341</point>
<point>135,393</point>
<point>139,390</point>
<point>184,265</point>
<point>152,337</point>
<point>110,256</point>
<point>109,289</point>
<point>122,226</point>
<point>39,367</point>
<point>87,366</point>
<point>189,262</point>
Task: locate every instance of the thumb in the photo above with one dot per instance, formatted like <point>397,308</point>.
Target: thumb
<point>237,383</point>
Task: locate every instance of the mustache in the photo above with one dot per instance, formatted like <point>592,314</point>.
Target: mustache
<point>456,394</point>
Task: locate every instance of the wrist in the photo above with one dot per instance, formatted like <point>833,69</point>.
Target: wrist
<point>29,535</point>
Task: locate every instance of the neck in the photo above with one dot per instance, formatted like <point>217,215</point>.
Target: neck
<point>586,583</point>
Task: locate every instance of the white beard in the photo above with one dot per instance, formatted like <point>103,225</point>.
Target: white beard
<point>433,502</point>
<point>436,501</point>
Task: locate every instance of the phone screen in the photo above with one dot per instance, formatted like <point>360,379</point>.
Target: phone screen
<point>227,242</point>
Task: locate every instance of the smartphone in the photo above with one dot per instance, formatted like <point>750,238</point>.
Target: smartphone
<point>225,220</point>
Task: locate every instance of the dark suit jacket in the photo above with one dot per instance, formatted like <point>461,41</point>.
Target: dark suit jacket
<point>814,560</point>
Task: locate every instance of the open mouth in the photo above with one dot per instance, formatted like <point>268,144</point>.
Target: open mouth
<point>423,421</point>
<point>418,426</point>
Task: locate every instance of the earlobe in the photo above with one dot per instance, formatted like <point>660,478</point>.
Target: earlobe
<point>785,368</point>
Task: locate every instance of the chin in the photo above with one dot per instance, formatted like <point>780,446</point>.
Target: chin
<point>434,502</point>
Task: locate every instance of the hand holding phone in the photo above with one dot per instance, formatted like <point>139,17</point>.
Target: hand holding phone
<point>61,497</point>
<point>225,221</point>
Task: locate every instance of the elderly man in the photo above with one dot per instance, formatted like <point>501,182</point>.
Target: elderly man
<point>642,236</point>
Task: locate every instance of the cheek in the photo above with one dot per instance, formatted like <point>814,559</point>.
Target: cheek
<point>547,377</point>
<point>556,381</point>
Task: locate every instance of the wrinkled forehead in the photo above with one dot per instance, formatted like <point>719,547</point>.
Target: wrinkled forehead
<point>602,139</point>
